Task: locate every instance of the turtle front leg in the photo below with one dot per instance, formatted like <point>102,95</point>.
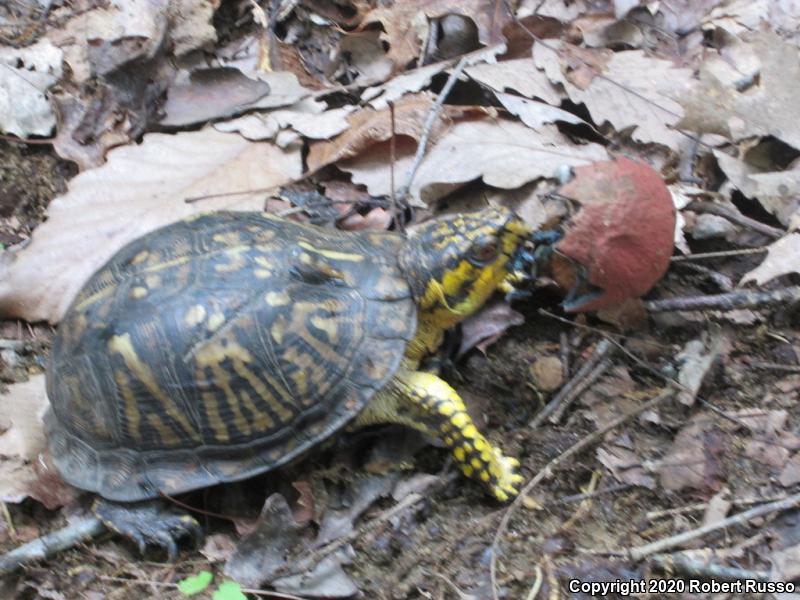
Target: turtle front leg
<point>427,403</point>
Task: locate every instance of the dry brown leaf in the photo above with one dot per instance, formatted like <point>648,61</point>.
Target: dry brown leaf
<point>405,23</point>
<point>211,94</point>
<point>695,458</point>
<point>505,154</point>
<point>368,126</point>
<point>635,92</point>
<point>192,24</point>
<point>768,107</point>
<point>783,258</point>
<point>307,117</point>
<point>777,191</point>
<point>625,465</point>
<point>100,41</point>
<point>488,325</point>
<point>563,10</point>
<point>696,361</point>
<point>535,114</point>
<point>22,441</point>
<point>519,75</point>
<point>25,75</point>
<point>139,189</point>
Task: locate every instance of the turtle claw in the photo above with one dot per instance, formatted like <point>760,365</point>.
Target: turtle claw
<point>506,486</point>
<point>149,524</point>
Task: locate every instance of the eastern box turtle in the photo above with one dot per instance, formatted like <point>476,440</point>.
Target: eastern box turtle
<point>226,345</point>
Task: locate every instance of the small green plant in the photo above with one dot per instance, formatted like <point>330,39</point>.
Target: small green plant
<point>229,590</point>
<point>194,584</point>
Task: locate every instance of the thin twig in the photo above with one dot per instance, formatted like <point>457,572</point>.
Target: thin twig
<point>612,489</point>
<point>547,471</point>
<point>48,545</point>
<point>564,353</point>
<point>398,222</point>
<point>697,568</point>
<point>433,114</point>
<point>771,366</point>
<point>639,552</point>
<point>722,281</point>
<point>728,301</point>
<point>720,254</point>
<point>565,393</point>
<point>701,506</point>
<point>720,210</point>
<point>581,387</point>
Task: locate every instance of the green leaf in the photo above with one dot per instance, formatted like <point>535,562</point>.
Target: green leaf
<point>229,590</point>
<point>195,584</point>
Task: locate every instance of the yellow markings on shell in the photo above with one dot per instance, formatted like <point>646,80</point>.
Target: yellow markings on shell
<point>236,260</point>
<point>157,423</point>
<point>215,321</point>
<point>278,329</point>
<point>152,281</point>
<point>211,408</point>
<point>300,380</point>
<point>229,238</point>
<point>476,463</point>
<point>140,257</point>
<point>212,355</point>
<point>467,470</point>
<point>123,345</point>
<point>332,254</point>
<point>195,315</point>
<point>181,260</point>
<point>459,454</point>
<point>277,298</point>
<point>264,270</point>
<point>485,476</point>
<point>89,300</point>
<point>132,415</point>
<point>329,326</point>
<point>261,420</point>
<point>138,292</point>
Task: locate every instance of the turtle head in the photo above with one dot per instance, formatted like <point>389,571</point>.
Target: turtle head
<point>455,263</point>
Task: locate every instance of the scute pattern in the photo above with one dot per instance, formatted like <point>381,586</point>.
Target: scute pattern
<point>220,347</point>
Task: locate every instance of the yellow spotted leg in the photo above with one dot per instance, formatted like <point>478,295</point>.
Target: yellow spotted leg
<point>427,403</point>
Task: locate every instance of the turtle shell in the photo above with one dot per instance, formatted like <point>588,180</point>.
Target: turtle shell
<point>221,347</point>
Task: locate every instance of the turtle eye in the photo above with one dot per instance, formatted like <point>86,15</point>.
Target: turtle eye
<point>483,252</point>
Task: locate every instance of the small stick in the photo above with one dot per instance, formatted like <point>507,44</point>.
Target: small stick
<point>402,193</point>
<point>723,281</point>
<point>564,394</point>
<point>50,544</point>
<point>699,569</point>
<point>639,552</point>
<point>720,210</point>
<point>727,301</point>
<point>581,387</point>
<point>564,353</point>
<point>700,506</point>
<point>612,489</point>
<point>398,222</point>
<point>771,366</point>
<point>720,254</point>
<point>686,163</point>
<point>547,471</point>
